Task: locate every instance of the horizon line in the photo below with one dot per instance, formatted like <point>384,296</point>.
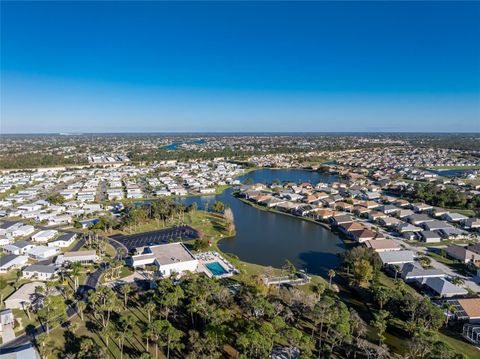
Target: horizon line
<point>67,133</point>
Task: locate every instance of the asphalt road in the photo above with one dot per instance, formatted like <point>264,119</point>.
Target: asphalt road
<point>90,283</point>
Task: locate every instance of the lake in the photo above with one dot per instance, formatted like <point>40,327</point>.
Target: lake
<point>174,146</point>
<point>268,238</point>
<point>453,173</point>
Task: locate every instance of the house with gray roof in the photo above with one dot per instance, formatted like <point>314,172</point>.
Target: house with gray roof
<point>419,218</point>
<point>12,261</point>
<point>412,271</point>
<point>435,225</point>
<point>453,233</point>
<point>396,257</point>
<point>40,271</point>
<point>430,236</point>
<point>454,217</point>
<point>18,247</point>
<point>442,287</point>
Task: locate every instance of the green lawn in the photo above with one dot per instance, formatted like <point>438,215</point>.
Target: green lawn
<point>58,336</point>
<point>465,212</point>
<point>459,344</point>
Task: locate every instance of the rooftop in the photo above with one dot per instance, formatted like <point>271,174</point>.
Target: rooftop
<point>171,253</point>
<point>471,306</point>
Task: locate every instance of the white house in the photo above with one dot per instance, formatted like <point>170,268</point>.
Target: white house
<point>84,257</point>
<point>6,228</point>
<point>30,207</point>
<point>62,219</point>
<point>65,240</point>
<point>454,217</point>
<point>12,261</point>
<point>18,247</point>
<point>42,252</point>
<point>4,240</point>
<point>22,231</point>
<point>39,271</point>
<point>44,236</point>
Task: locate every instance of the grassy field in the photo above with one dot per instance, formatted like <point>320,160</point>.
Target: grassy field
<point>89,328</point>
<point>210,224</point>
<point>465,212</point>
<point>458,344</point>
<point>441,243</point>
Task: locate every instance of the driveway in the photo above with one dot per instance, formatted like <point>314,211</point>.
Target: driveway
<point>8,334</point>
<point>471,283</point>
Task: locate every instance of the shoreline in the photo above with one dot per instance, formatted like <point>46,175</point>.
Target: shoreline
<point>346,241</point>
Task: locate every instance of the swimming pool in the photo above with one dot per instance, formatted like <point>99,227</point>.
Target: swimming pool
<point>215,268</point>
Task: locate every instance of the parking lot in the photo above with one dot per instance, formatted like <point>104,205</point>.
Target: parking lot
<point>161,236</point>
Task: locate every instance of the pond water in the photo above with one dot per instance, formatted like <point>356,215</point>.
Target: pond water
<point>174,146</point>
<point>268,238</point>
<point>453,173</point>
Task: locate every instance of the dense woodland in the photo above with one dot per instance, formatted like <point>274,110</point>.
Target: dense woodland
<point>448,197</point>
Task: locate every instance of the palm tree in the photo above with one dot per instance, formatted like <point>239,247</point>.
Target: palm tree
<point>458,280</point>
<point>147,334</point>
<point>74,327</point>
<point>397,269</point>
<point>450,309</point>
<point>121,336</point>
<point>106,333</point>
<point>125,289</point>
<point>331,274</point>
<point>81,305</point>
<point>75,270</point>
<point>150,307</point>
<point>318,289</point>
<point>26,307</point>
<point>42,341</point>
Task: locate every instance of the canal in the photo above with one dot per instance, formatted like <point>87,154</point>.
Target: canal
<point>268,238</point>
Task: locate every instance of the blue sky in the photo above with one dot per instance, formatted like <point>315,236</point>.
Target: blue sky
<point>226,66</point>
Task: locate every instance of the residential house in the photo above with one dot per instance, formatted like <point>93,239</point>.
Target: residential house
<point>12,261</point>
<point>83,257</point>
<point>40,253</point>
<point>363,235</point>
<point>44,236</point>
<point>442,287</point>
<point>40,271</point>
<point>341,219</point>
<point>376,216</point>
<point>65,240</point>
<point>18,247</point>
<point>469,309</point>
<point>396,257</point>
<point>429,237</point>
<point>418,219</point>
<point>421,207</point>
<point>435,225</point>
<point>472,224</point>
<point>463,254</point>
<point>412,271</point>
<point>454,217</point>
<point>382,245</point>
<point>24,296</point>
